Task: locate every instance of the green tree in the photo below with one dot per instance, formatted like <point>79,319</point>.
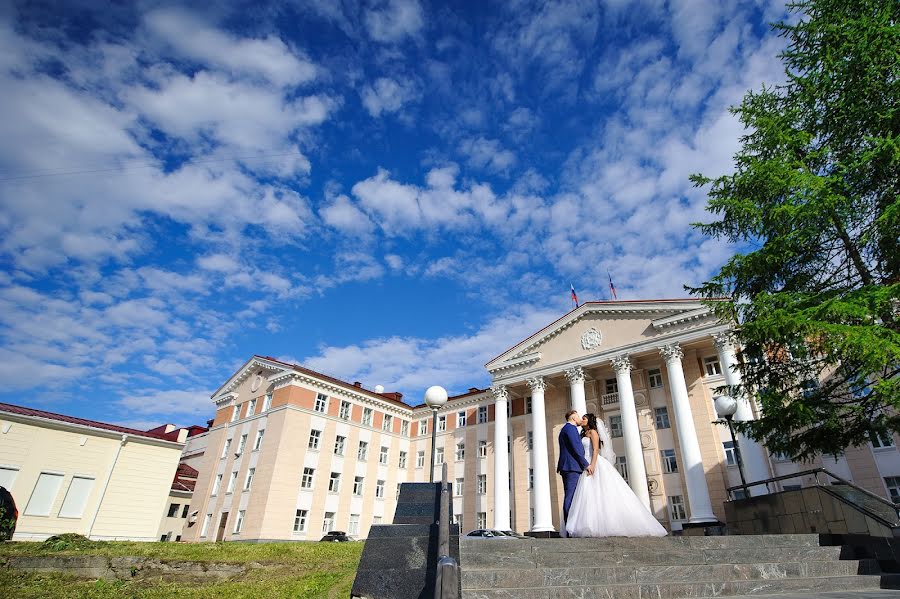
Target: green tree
<point>814,208</point>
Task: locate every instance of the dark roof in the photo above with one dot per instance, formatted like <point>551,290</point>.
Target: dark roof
<point>23,411</point>
<point>185,471</point>
<point>183,485</point>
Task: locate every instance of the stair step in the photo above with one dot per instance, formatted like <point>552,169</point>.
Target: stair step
<point>547,577</point>
<point>684,589</point>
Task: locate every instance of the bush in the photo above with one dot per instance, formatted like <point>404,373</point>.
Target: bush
<point>68,541</point>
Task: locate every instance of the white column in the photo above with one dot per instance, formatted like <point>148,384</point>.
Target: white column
<point>501,460</point>
<point>543,514</point>
<point>634,453</point>
<point>576,387</point>
<point>753,454</point>
<point>699,504</point>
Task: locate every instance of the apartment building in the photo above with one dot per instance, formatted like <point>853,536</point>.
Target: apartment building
<point>293,453</point>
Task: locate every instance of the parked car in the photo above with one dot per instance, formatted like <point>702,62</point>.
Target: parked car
<point>9,515</point>
<point>513,534</point>
<point>490,533</point>
<point>335,536</point>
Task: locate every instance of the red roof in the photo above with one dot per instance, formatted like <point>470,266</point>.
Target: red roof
<point>185,471</point>
<point>183,485</point>
<point>23,411</point>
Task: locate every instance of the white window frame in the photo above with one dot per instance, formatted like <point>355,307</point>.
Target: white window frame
<point>482,414</point>
<point>654,378</point>
<point>346,407</point>
<point>420,459</point>
<point>248,481</point>
<point>401,462</point>
<point>239,523</point>
<point>217,483</point>
<point>423,427</point>
<point>358,484</point>
<point>404,428</point>
<point>669,461</point>
<point>615,426</point>
<point>205,527</point>
<point>482,449</point>
<point>300,520</point>
<point>458,487</point>
<point>231,482</point>
<point>267,402</point>
<point>339,443</point>
<point>712,366</point>
<point>460,452</point>
<point>892,484</point>
<point>622,466</point>
<point>328,522</point>
<point>235,412</point>
<point>882,441</point>
<point>661,417</point>
<point>442,423</point>
<point>242,442</point>
<point>315,436</point>
<point>730,456</point>
<point>481,520</point>
<point>353,525</point>
<point>481,484</point>
<point>321,403</point>
<point>259,438</point>
<point>438,456</point>
<point>387,424</point>
<point>379,489</point>
<point>460,419</point>
<point>367,416</point>
<point>225,448</point>
<point>334,482</point>
<point>307,478</point>
<point>676,508</point>
<point>362,452</point>
<point>384,455</point>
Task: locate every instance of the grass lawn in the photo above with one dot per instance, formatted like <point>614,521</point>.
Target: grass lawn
<point>288,570</point>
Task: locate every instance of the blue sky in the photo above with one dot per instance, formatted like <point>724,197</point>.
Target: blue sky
<point>391,191</point>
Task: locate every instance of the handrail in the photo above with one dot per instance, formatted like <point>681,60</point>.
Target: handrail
<point>815,473</point>
<point>446,584</point>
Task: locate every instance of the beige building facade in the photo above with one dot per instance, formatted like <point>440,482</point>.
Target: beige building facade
<point>70,475</point>
<point>292,453</point>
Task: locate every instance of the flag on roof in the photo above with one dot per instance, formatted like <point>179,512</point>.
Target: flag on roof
<point>574,295</point>
<point>612,288</point>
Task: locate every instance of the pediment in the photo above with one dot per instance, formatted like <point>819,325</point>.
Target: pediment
<point>599,327</point>
<point>255,365</point>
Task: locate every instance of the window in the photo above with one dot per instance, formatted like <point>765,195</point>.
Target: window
<point>334,482</point>
<point>460,452</point>
<point>205,527</point>
<point>528,404</point>
<point>249,480</point>
<point>240,521</point>
<point>458,487</point>
<point>529,439</point>
<point>344,413</point>
<point>184,512</point>
<point>482,484</point>
<point>358,485</point>
<point>231,480</point>
<point>241,444</point>
<point>420,459</point>
<point>251,407</point>
<point>328,522</point>
<point>367,416</point>
<point>442,423</point>
<point>7,476</point>
<point>388,423</point>
<point>300,521</point>
<point>668,461</point>
<point>676,507</point>
<point>711,366</point>
<point>321,403</point>
<point>439,455</point>
<point>259,437</point>
<point>339,445</point>
<point>314,436</point>
<point>404,428</point>
<point>173,510</point>
<point>383,455</point>
<point>780,457</point>
<point>893,487</point>
<point>458,520</point>
<point>307,481</point>
<point>376,520</point>
<point>217,484</point>
<point>267,402</point>
<point>353,527</point>
<point>531,478</point>
<point>234,413</point>
<point>482,414</point>
<point>881,439</point>
<point>460,419</point>
<point>655,376</point>
<point>423,428</point>
<point>730,458</point>
<point>402,462</point>
<point>379,489</point>
<point>662,417</point>
<point>226,447</point>
<point>612,386</point>
<point>622,467</point>
<point>362,454</point>
<point>615,426</point>
<point>482,520</point>
<point>482,449</point>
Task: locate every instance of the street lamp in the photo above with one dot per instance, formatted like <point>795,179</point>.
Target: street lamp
<point>726,406</point>
<point>435,398</point>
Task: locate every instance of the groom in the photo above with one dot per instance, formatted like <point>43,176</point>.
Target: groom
<point>571,459</point>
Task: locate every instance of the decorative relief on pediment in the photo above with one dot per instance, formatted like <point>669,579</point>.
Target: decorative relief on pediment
<point>257,381</point>
<point>591,339</point>
<point>640,399</point>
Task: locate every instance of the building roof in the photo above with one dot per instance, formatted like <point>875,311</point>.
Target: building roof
<point>33,413</point>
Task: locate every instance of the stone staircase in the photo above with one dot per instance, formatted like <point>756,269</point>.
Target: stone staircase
<point>663,568</point>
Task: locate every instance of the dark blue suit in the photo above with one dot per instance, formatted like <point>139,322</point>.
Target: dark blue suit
<point>571,463</point>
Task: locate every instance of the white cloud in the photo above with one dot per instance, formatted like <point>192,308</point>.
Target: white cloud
<point>193,403</point>
<point>394,20</point>
<point>343,215</point>
<point>487,154</point>
<point>387,95</point>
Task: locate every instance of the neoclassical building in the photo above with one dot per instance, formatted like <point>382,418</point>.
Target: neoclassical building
<point>293,453</point>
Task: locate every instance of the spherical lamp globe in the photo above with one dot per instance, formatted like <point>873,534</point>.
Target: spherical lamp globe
<point>435,397</point>
<point>726,406</point>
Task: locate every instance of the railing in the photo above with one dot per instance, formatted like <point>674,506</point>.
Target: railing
<point>446,584</point>
<point>610,398</point>
<point>816,473</point>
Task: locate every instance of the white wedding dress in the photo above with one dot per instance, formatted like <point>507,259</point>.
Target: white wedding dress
<point>604,505</point>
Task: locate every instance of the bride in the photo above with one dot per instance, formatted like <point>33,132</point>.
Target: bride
<point>604,505</point>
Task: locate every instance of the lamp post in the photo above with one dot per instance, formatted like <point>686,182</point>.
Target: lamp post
<point>726,406</point>
<point>435,398</point>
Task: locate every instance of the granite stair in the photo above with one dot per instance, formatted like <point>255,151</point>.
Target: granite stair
<point>669,567</point>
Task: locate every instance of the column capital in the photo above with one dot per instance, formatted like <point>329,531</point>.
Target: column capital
<point>536,384</point>
<point>575,375</point>
<point>724,340</point>
<point>622,364</point>
<point>671,352</point>
<point>501,393</point>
